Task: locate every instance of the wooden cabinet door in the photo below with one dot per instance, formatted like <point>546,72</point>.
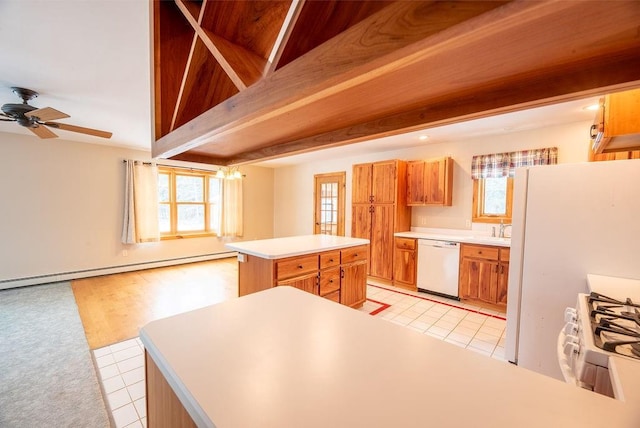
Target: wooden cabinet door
<point>404,266</point>
<point>329,281</point>
<point>361,221</point>
<point>353,286</point>
<point>477,277</point>
<point>383,182</point>
<point>415,183</point>
<point>361,184</point>
<point>435,182</point>
<point>307,282</point>
<point>621,113</point>
<point>503,281</point>
<point>381,242</point>
<point>488,289</point>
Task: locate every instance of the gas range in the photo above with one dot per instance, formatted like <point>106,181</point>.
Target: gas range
<point>615,324</point>
<point>596,329</point>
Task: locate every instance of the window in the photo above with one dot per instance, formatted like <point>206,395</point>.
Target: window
<point>492,200</point>
<point>189,203</point>
<point>492,176</point>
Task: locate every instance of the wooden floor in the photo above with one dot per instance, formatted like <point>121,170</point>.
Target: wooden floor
<point>114,307</point>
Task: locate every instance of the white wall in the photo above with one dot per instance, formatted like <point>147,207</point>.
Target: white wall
<point>62,205</point>
<point>293,198</point>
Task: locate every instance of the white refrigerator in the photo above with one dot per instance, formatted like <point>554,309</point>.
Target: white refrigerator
<point>569,220</point>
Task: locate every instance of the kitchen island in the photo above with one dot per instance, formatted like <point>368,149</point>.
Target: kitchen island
<point>333,267</point>
<point>283,358</point>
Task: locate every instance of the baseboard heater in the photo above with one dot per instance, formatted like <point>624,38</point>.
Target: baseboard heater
<point>67,276</point>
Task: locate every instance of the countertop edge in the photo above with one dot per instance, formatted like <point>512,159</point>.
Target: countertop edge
<point>352,242</point>
<point>496,242</point>
<point>198,414</point>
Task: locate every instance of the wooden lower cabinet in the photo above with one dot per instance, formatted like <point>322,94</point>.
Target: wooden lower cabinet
<point>484,272</point>
<point>164,409</point>
<point>353,290</point>
<point>308,282</point>
<point>338,275</point>
<point>404,263</point>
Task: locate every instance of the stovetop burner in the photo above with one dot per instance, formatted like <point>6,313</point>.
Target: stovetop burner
<point>615,324</point>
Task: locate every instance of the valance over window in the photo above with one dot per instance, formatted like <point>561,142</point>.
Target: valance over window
<point>504,164</point>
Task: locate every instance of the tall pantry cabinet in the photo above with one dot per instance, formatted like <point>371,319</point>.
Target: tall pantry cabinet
<point>379,209</point>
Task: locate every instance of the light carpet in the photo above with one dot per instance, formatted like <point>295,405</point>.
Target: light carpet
<point>47,376</point>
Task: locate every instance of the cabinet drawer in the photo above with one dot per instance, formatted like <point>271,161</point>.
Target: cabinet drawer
<point>329,281</point>
<point>329,259</point>
<point>406,243</point>
<point>335,296</point>
<point>480,252</point>
<point>354,254</point>
<point>505,253</point>
<point>288,268</point>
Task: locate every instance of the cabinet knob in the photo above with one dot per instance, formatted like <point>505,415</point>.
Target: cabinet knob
<point>330,260</point>
<point>299,266</point>
<point>331,281</point>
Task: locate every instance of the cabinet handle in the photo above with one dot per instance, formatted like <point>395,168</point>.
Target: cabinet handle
<point>341,273</point>
<point>593,132</point>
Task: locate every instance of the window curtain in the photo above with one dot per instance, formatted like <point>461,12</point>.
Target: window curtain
<point>504,164</point>
<point>141,203</point>
<point>232,215</point>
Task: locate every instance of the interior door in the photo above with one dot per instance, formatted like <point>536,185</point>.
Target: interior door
<point>329,203</point>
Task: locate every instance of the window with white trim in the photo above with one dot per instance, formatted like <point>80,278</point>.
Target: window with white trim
<point>189,203</point>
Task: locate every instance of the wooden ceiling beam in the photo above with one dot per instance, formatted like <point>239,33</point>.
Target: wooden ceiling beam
<point>285,34</point>
<point>450,55</point>
<point>590,78</point>
<point>243,67</point>
<point>332,67</point>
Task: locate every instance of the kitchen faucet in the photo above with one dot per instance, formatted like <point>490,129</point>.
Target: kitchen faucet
<point>502,227</point>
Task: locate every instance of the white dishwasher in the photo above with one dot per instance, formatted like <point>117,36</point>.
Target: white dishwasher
<point>438,267</point>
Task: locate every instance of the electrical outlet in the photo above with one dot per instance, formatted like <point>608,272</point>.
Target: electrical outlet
<point>125,253</point>
<point>467,223</point>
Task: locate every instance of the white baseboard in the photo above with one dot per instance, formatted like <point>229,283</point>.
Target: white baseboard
<point>67,276</point>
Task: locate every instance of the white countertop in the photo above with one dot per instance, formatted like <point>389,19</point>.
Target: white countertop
<point>285,358</point>
<point>278,248</point>
<point>455,235</point>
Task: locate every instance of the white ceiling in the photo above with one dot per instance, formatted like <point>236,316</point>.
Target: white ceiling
<point>91,60</point>
<point>87,58</point>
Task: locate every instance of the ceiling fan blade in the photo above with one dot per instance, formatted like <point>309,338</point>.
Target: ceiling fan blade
<point>80,129</point>
<point>47,113</point>
<point>7,117</point>
<point>42,131</point>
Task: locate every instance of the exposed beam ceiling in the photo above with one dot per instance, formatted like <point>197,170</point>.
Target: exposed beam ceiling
<point>413,65</point>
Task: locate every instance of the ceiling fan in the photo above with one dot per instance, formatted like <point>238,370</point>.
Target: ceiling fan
<point>37,120</point>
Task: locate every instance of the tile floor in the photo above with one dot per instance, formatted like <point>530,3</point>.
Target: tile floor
<point>121,366</point>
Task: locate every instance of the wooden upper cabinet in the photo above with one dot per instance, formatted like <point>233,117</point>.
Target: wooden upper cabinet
<point>430,182</point>
<point>617,124</point>
<point>361,192</point>
<point>383,182</point>
<point>374,183</point>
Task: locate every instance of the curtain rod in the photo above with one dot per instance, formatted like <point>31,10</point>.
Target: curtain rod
<point>174,166</point>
